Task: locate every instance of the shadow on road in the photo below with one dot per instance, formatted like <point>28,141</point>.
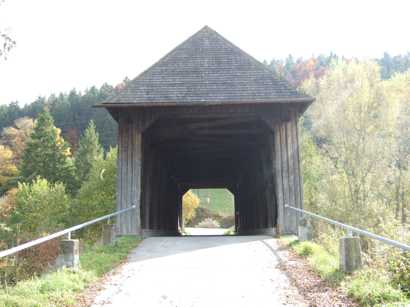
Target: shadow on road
<point>155,247</point>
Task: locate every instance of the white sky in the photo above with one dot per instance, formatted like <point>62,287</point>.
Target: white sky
<point>65,44</point>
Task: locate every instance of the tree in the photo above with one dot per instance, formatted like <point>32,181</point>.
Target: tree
<point>16,136</point>
<point>8,169</point>
<point>7,206</point>
<point>352,127</point>
<point>399,175</point>
<point>97,195</point>
<point>89,150</point>
<point>47,154</point>
<point>190,202</point>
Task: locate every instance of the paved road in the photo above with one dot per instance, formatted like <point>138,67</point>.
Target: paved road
<point>203,271</point>
<point>195,231</point>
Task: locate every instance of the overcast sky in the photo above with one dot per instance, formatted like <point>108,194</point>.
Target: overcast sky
<point>69,44</point>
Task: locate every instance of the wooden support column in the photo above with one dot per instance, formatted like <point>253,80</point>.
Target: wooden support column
<point>129,175</point>
<point>287,173</point>
<point>146,193</point>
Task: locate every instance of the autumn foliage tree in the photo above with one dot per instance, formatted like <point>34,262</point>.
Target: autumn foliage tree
<point>190,201</point>
<point>17,135</point>
<point>8,168</point>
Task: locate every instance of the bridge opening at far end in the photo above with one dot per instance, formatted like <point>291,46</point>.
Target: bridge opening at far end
<point>208,212</point>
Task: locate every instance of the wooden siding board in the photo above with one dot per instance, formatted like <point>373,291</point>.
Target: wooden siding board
<point>285,174</point>
<point>300,177</point>
<point>278,172</point>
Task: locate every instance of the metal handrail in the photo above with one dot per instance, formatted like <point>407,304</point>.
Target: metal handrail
<point>68,231</point>
<point>354,229</point>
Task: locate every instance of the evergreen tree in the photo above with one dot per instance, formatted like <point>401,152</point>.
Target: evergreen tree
<point>47,154</point>
<point>88,151</point>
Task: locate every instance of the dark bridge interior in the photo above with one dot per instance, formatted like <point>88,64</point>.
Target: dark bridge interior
<point>208,152</point>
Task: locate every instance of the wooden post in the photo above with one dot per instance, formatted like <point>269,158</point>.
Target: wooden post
<point>287,172</point>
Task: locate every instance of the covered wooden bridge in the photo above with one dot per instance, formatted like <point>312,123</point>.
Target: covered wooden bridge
<point>208,115</point>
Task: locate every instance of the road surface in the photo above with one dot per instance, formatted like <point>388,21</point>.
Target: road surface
<point>201,271</point>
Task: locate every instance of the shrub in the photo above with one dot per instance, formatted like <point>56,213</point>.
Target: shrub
<point>41,207</point>
<point>208,223</point>
<point>201,214</point>
<point>399,267</point>
<point>305,248</point>
<point>37,259</point>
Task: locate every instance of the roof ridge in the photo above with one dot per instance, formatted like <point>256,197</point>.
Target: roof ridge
<point>259,63</point>
<point>172,51</point>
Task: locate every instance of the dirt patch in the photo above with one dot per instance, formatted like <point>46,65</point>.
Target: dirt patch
<point>316,291</point>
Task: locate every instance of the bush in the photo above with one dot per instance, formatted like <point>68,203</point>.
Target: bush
<point>305,248</point>
<point>201,214</point>
<point>41,208</point>
<point>399,267</point>
<point>37,259</point>
<point>208,223</point>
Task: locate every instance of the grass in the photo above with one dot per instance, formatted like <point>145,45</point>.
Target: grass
<point>369,286</point>
<point>322,262</point>
<point>221,201</point>
<point>61,288</point>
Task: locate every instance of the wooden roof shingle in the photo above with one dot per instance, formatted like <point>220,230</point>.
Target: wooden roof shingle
<point>206,69</point>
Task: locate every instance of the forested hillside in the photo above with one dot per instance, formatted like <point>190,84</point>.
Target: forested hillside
<point>72,111</point>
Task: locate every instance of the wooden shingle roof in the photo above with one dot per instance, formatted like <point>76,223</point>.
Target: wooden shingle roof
<point>206,69</point>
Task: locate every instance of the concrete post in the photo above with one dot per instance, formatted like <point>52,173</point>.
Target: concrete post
<point>304,229</point>
<point>108,234</point>
<point>350,254</point>
<point>70,255</point>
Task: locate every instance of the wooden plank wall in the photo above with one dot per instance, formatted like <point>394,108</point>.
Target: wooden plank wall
<point>129,175</point>
<point>289,189</point>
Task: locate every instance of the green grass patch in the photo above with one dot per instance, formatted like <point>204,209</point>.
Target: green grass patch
<point>373,287</point>
<point>101,259</point>
<point>221,201</point>
<point>322,262</point>
<point>369,287</point>
<point>61,288</point>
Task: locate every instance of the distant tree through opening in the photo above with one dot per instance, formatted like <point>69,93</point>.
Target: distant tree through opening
<point>208,212</point>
